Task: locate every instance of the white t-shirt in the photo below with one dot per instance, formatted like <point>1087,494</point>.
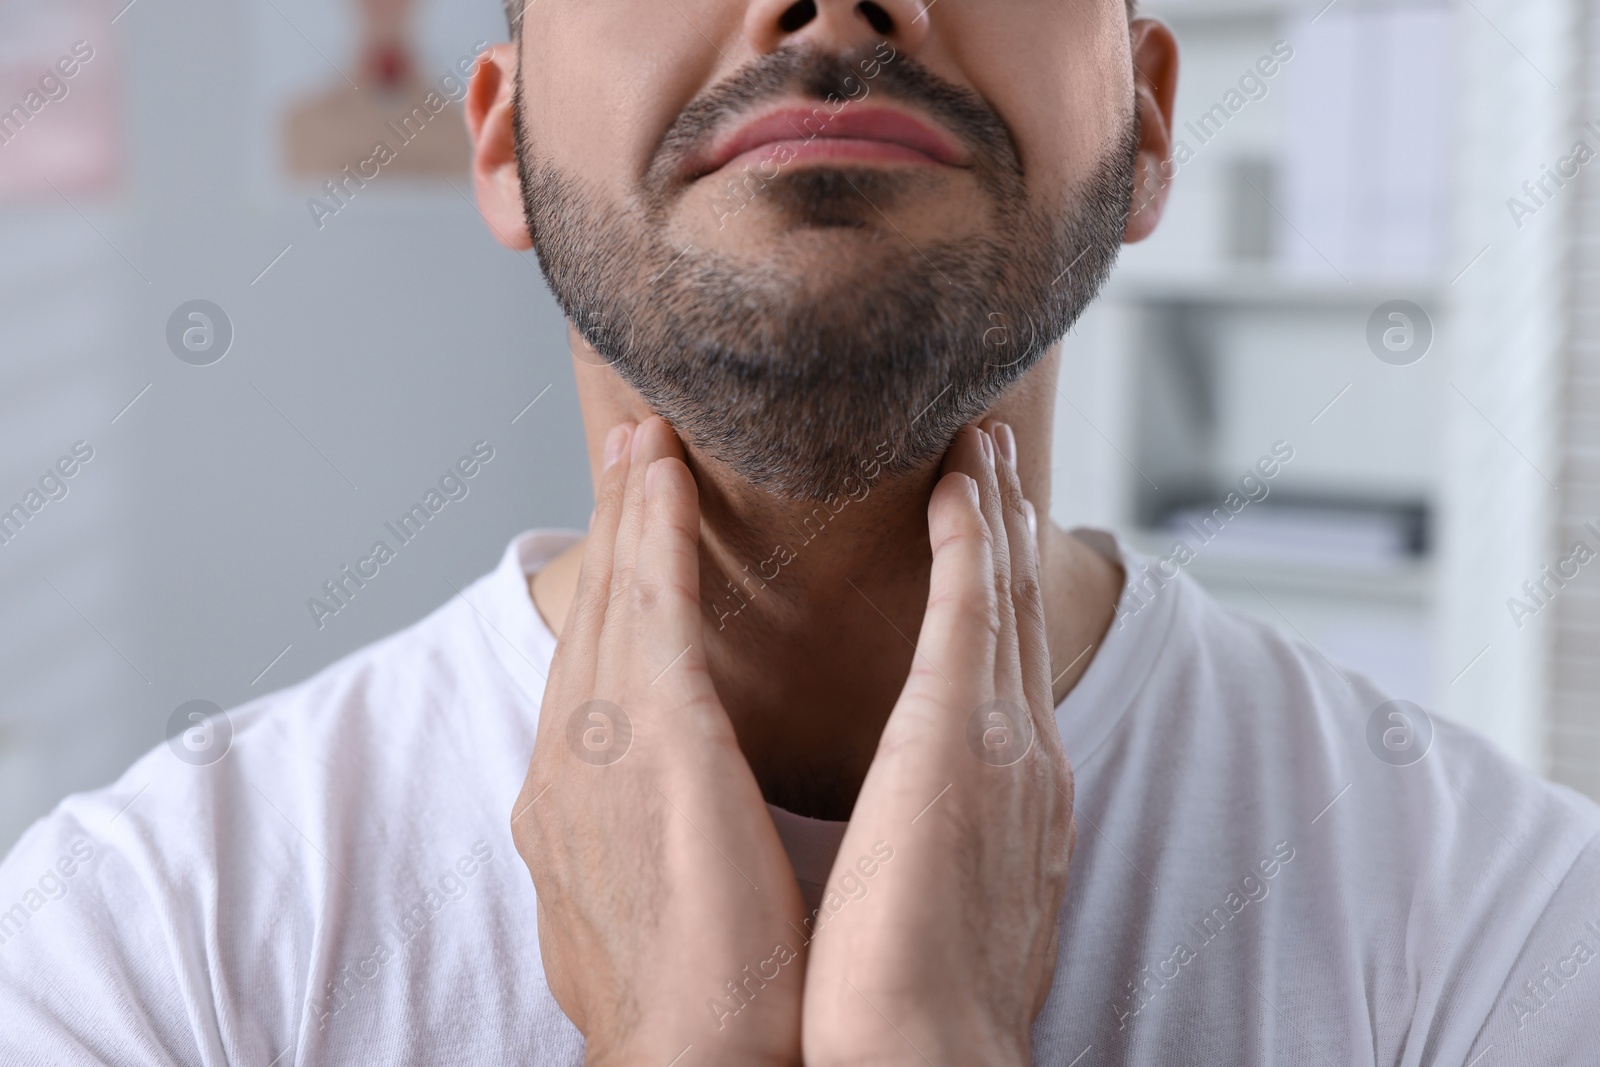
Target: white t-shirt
<point>1252,883</point>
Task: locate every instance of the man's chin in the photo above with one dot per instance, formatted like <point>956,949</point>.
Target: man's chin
<point>818,322</point>
<point>795,274</point>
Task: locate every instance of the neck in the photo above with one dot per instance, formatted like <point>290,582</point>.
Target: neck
<point>812,609</point>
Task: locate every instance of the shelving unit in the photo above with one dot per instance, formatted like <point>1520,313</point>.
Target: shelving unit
<point>1226,333</point>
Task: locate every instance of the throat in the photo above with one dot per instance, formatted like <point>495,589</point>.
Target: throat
<point>810,736</point>
<point>810,663</point>
<point>828,793</point>
<point>810,611</point>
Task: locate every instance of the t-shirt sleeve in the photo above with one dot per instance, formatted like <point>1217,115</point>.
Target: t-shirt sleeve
<point>1548,1011</point>
<point>86,975</point>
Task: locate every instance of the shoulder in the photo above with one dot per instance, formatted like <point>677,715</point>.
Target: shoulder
<point>1282,720</point>
<point>383,719</point>
<point>1548,1008</point>
<point>1408,857</point>
<point>369,798</point>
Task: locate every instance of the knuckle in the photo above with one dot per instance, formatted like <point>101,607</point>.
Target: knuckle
<point>1002,588</point>
<point>1026,594</point>
<point>643,595</point>
<point>1010,487</point>
<point>621,585</point>
<point>589,614</point>
<point>653,593</point>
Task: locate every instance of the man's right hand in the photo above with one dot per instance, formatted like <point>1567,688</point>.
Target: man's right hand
<point>949,956</point>
<point>668,912</point>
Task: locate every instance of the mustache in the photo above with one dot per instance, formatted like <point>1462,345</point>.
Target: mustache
<point>815,74</point>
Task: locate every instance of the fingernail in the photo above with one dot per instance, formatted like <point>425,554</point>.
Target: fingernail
<point>973,492</point>
<point>987,444</point>
<point>1033,521</point>
<point>650,478</point>
<point>1007,442</point>
<point>637,438</point>
<point>614,442</point>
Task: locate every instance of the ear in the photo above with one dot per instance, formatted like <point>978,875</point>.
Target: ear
<point>1155,85</point>
<point>491,122</point>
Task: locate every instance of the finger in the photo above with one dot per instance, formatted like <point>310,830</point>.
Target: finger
<point>594,576</point>
<point>1025,592</point>
<point>1008,661</point>
<point>653,440</point>
<point>587,612</point>
<point>956,645</point>
<point>663,615</point>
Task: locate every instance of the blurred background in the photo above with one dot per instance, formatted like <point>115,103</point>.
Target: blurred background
<point>1381,241</point>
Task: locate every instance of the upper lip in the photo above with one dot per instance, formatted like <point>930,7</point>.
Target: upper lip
<point>853,121</point>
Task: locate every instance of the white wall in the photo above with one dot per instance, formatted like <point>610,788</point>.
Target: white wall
<point>184,554</point>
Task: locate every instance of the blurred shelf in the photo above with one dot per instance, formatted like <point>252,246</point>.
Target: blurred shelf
<point>1270,289</point>
<point>1196,10</point>
<point>1404,582</point>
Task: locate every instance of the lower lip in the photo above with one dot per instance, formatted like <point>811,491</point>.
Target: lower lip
<point>830,150</point>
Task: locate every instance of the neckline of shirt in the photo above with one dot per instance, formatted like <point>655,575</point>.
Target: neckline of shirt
<point>524,644</point>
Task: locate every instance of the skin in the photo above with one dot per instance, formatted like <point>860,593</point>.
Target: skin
<point>949,957</point>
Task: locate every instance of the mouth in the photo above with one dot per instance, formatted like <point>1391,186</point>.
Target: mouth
<point>795,136</point>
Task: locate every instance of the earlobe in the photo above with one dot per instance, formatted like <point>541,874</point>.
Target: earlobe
<point>1150,185</point>
<point>1155,86</point>
<point>491,123</point>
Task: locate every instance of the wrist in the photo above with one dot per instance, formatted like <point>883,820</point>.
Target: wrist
<point>956,1054</point>
<point>910,1044</point>
<point>701,1055</point>
<point>680,1049</point>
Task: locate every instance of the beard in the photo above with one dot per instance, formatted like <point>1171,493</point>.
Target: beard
<point>796,370</point>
